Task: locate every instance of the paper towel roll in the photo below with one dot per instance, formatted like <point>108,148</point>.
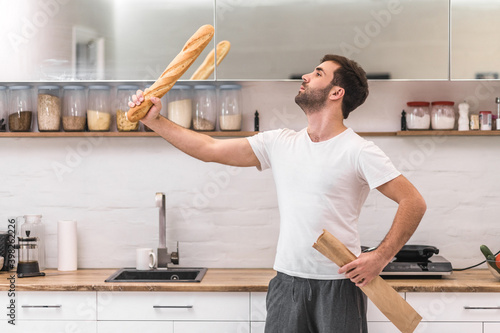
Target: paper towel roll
<point>66,246</point>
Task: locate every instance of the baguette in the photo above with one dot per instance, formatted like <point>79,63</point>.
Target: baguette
<point>207,67</point>
<point>191,50</point>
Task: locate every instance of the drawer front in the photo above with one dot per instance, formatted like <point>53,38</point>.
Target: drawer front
<point>135,326</point>
<point>48,326</point>
<point>491,327</point>
<point>257,327</point>
<point>211,327</point>
<point>56,305</point>
<point>426,327</point>
<point>229,306</point>
<point>374,314</point>
<point>456,306</point>
<point>258,310</point>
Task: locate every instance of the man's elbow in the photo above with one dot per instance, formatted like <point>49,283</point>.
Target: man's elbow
<point>420,205</point>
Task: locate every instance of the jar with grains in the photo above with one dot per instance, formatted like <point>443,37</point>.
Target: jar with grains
<point>3,109</point>
<point>418,116</point>
<point>49,108</point>
<point>99,109</point>
<point>230,111</point>
<point>204,108</point>
<point>123,96</point>
<point>179,105</point>
<point>74,109</point>
<point>20,108</point>
<point>443,115</point>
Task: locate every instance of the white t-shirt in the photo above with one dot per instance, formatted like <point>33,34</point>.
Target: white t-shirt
<point>320,185</point>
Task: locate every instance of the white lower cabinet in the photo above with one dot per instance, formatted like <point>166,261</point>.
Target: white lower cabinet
<point>51,311</point>
<point>135,326</point>
<point>211,327</point>
<point>491,327</point>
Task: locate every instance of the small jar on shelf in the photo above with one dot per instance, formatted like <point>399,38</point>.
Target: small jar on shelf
<point>418,116</point>
<point>99,110</point>
<point>229,107</point>
<point>20,108</point>
<point>74,109</point>
<point>3,108</point>
<point>123,96</point>
<point>204,113</point>
<point>49,109</point>
<point>179,105</point>
<point>443,115</point>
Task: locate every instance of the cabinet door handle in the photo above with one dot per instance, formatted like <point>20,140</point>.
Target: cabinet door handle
<point>172,306</point>
<point>482,307</point>
<point>41,306</point>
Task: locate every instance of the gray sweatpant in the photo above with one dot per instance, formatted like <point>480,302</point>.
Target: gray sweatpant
<point>297,305</point>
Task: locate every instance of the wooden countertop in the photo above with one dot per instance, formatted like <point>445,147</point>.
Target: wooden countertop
<point>232,280</point>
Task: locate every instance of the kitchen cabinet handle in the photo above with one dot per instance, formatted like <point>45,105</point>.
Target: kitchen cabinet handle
<point>42,306</point>
<point>172,306</point>
<point>482,307</point>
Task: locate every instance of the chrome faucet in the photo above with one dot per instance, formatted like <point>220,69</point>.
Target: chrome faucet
<point>164,258</point>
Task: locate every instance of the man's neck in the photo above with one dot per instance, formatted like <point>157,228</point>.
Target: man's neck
<point>323,125</point>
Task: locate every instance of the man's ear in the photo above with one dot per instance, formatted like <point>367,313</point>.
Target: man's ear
<point>336,93</point>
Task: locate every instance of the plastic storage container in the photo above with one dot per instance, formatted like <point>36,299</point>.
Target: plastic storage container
<point>443,115</point>
<point>418,116</point>
<point>3,109</point>
<point>74,109</point>
<point>123,96</point>
<point>49,108</point>
<point>20,109</point>
<point>205,110</point>
<point>230,111</point>
<point>99,109</point>
<point>179,105</point>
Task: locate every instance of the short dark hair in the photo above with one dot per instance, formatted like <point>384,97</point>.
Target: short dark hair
<point>352,78</point>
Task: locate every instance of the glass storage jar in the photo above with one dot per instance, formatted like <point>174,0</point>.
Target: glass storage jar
<point>99,110</point>
<point>443,115</point>
<point>123,96</point>
<point>74,108</point>
<point>204,113</point>
<point>418,116</point>
<point>20,109</point>
<point>230,111</point>
<point>179,105</point>
<point>485,120</point>
<point>49,108</point>
<point>3,108</point>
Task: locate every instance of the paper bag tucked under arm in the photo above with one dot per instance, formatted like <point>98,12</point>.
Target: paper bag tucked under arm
<point>392,305</point>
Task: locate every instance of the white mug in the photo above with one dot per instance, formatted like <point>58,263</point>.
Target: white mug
<point>145,259</point>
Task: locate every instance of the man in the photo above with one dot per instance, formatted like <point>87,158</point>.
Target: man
<point>323,175</point>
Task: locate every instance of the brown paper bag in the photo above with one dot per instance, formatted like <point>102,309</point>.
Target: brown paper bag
<point>389,302</point>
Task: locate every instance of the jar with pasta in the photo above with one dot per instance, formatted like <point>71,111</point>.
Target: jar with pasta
<point>74,109</point>
<point>123,96</point>
<point>99,109</point>
<point>49,109</point>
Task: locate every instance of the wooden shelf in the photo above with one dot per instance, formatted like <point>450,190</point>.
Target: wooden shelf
<point>448,133</point>
<point>111,134</point>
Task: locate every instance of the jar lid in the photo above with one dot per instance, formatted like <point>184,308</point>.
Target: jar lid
<point>48,87</point>
<point>3,87</point>
<point>19,87</point>
<point>99,87</point>
<point>128,87</point>
<point>180,86</point>
<point>443,103</point>
<point>418,103</point>
<point>74,87</point>
<point>230,86</point>
<point>204,86</point>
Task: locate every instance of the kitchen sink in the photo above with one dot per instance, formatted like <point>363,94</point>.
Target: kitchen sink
<point>158,275</point>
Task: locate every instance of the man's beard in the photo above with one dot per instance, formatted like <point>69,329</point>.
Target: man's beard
<point>311,101</point>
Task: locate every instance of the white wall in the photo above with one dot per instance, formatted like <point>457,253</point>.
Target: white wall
<point>228,217</point>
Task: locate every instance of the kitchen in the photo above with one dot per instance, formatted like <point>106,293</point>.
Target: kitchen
<point>226,217</point>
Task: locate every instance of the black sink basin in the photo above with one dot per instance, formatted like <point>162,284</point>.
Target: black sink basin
<point>158,275</point>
